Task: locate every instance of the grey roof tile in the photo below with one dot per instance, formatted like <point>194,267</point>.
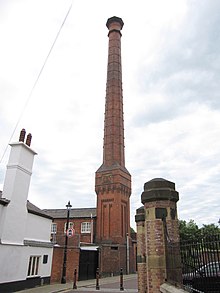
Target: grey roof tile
<point>74,213</point>
<point>35,210</point>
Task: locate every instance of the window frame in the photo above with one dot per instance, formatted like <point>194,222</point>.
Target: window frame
<point>53,231</point>
<point>33,266</point>
<point>71,225</point>
<point>85,227</point>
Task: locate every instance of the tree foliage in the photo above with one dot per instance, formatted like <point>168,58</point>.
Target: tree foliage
<point>210,229</point>
<point>132,230</point>
<point>191,231</point>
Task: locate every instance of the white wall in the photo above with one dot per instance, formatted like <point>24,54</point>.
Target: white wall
<point>37,228</point>
<point>17,225</point>
<point>16,186</point>
<point>44,269</point>
<point>14,259</point>
<point>1,218</point>
<point>14,218</point>
<point>14,262</point>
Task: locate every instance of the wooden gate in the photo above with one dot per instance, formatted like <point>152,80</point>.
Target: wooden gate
<point>88,264</point>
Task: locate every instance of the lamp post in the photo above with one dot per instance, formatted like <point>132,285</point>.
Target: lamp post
<point>63,279</point>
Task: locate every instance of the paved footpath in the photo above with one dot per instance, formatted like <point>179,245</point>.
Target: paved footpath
<point>111,284</point>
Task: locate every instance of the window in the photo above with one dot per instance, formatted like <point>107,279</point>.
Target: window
<point>53,228</point>
<point>114,247</point>
<point>53,238</point>
<point>33,265</point>
<point>70,226</point>
<point>53,232</point>
<point>45,258</point>
<point>211,269</point>
<point>85,227</point>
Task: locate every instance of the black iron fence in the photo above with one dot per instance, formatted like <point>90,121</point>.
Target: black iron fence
<point>201,264</point>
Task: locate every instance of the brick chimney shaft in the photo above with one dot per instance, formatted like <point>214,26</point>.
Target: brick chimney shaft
<point>113,150</point>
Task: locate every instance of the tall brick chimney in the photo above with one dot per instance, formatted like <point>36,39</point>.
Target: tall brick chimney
<point>113,181</point>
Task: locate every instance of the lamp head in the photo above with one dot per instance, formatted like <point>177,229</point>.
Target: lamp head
<point>68,206</point>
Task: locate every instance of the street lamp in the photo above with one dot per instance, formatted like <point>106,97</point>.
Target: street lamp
<point>63,279</point>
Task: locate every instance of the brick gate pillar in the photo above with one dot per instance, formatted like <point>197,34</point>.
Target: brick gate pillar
<point>159,221</point>
<point>141,249</point>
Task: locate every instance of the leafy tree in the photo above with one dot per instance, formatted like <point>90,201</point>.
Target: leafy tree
<point>132,230</point>
<point>210,229</point>
<point>189,231</point>
<point>201,243</point>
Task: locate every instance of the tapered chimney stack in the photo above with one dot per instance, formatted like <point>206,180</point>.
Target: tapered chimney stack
<point>113,181</point>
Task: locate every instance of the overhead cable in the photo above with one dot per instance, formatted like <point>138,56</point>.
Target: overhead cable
<point>36,81</point>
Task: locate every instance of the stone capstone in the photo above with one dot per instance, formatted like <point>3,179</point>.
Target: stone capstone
<point>159,189</point>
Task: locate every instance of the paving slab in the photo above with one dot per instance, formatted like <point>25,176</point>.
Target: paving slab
<point>110,284</point>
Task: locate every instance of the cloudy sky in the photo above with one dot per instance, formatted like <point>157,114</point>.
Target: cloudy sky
<point>53,85</point>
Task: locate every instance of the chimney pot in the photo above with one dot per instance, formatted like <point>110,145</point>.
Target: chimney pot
<point>28,140</point>
<point>22,135</point>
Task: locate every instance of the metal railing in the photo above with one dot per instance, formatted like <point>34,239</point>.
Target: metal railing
<point>201,264</point>
<point>193,264</point>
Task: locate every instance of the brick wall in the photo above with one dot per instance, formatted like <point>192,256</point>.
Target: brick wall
<point>73,251</point>
<point>112,259</point>
<point>57,264</point>
<point>113,190</point>
<point>84,237</point>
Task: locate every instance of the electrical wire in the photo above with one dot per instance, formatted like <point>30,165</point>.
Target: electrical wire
<point>36,81</point>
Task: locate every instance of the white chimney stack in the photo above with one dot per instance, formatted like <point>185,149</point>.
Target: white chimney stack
<point>15,189</point>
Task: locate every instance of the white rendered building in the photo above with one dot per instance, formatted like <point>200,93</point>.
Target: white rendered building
<point>25,247</point>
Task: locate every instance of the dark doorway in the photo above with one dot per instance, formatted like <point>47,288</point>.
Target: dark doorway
<point>88,263</point>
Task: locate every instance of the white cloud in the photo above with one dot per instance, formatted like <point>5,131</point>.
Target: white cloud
<point>170,59</point>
